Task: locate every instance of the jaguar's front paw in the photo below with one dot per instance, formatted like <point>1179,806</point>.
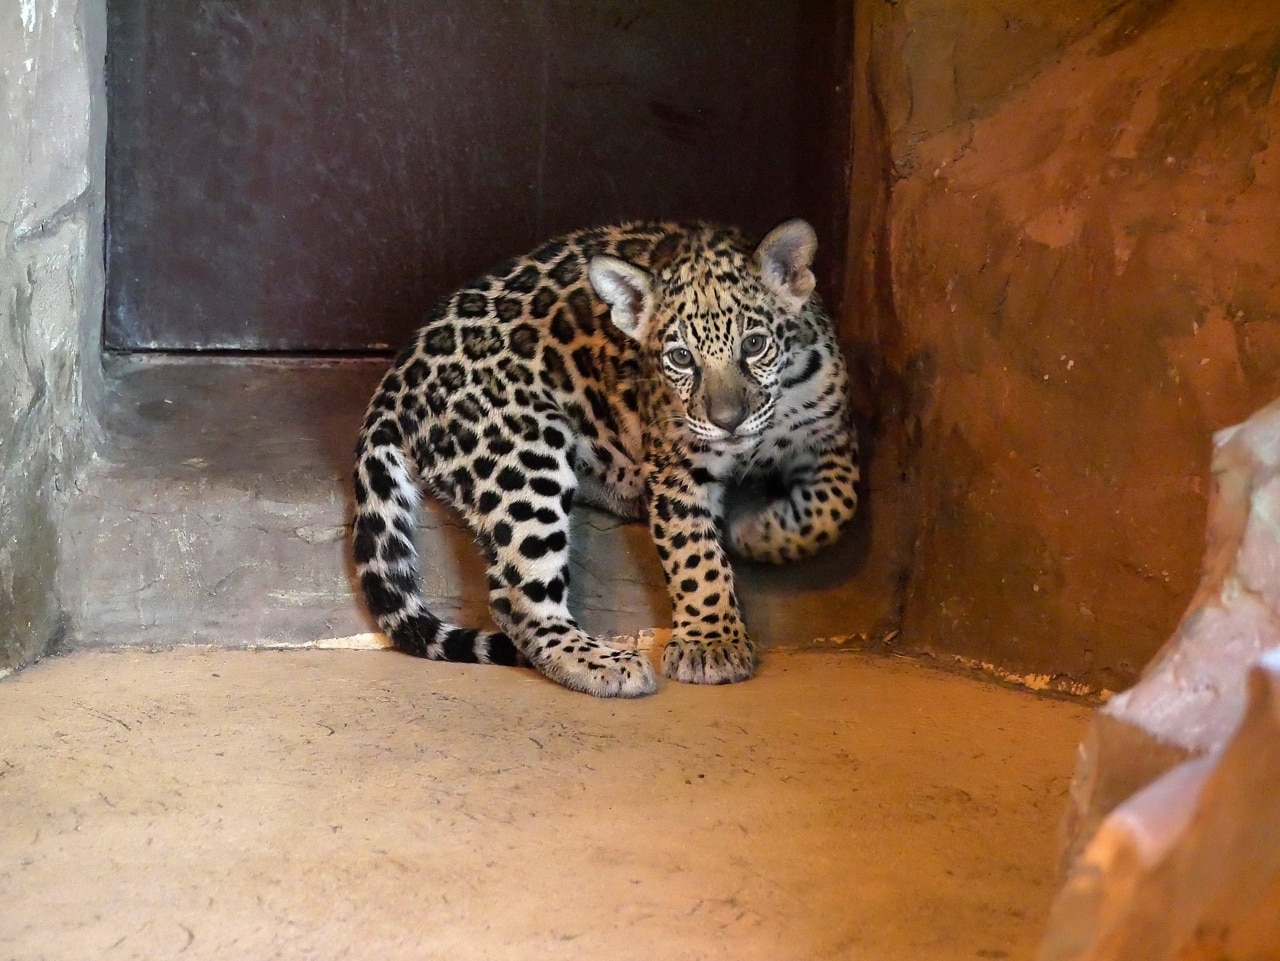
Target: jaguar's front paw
<point>757,536</point>
<point>718,661</point>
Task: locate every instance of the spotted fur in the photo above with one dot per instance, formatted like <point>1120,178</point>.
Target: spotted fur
<point>645,369</point>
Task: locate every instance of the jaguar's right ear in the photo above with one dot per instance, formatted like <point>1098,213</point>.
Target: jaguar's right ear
<point>627,290</point>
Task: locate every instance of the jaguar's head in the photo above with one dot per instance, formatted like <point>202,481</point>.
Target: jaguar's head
<point>712,323</point>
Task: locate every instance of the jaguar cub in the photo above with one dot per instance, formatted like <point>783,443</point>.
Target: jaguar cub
<point>644,369</point>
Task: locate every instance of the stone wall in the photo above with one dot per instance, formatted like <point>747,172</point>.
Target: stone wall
<point>1066,276</point>
<point>52,156</point>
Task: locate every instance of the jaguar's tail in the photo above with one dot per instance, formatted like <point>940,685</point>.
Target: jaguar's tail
<point>387,561</point>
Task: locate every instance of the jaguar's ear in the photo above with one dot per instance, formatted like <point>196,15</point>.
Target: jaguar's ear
<point>627,290</point>
<point>784,258</point>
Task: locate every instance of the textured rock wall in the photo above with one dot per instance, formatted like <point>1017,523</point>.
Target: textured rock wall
<point>1188,869</point>
<point>1173,824</point>
<point>1070,279</point>
<point>52,150</point>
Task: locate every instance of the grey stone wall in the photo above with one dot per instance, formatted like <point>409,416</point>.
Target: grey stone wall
<point>52,163</point>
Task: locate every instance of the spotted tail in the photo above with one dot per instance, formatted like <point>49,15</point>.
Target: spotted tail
<point>386,511</point>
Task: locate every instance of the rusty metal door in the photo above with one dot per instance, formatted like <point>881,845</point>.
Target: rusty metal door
<point>312,176</point>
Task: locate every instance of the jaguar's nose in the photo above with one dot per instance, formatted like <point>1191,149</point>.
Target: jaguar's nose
<point>727,417</point>
<point>725,398</point>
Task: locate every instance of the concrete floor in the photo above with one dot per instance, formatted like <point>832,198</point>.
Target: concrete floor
<point>344,804</point>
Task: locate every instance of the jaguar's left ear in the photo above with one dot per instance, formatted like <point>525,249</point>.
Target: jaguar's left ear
<point>784,258</point>
<point>627,290</point>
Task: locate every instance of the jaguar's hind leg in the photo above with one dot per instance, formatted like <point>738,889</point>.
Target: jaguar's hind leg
<point>521,515</point>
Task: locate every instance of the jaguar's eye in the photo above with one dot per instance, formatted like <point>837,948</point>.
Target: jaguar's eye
<point>680,358</point>
<point>753,345</point>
